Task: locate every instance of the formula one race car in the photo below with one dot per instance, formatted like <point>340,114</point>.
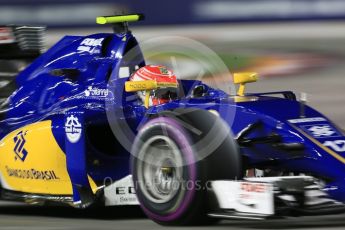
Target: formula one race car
<point>80,130</point>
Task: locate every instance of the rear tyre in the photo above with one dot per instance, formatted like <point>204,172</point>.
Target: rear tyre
<point>171,171</point>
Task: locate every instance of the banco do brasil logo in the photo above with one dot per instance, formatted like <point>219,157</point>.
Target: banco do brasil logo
<point>19,148</point>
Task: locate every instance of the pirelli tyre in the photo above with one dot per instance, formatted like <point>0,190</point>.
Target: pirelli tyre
<point>172,169</point>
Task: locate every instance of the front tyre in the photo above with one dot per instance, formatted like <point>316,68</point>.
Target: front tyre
<point>170,178</point>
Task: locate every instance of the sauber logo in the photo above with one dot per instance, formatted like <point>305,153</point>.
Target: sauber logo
<point>19,148</point>
<point>73,129</point>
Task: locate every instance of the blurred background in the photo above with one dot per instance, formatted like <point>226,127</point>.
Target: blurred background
<point>77,13</point>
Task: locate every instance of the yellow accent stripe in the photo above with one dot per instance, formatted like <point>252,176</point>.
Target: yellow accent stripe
<point>93,185</point>
<point>331,152</point>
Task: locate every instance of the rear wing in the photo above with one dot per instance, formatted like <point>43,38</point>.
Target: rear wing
<point>21,42</point>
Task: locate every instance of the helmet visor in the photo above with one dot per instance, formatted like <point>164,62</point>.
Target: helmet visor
<point>169,93</point>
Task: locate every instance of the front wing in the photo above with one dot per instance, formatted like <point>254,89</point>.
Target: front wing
<point>261,198</point>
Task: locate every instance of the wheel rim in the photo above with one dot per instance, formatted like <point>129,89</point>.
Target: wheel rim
<point>160,169</point>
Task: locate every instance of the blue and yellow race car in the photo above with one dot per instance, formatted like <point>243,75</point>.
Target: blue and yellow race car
<point>76,131</point>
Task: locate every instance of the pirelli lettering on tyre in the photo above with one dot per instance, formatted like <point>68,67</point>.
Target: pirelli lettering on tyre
<point>32,174</point>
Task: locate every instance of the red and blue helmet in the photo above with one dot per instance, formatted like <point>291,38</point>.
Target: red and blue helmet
<point>165,79</point>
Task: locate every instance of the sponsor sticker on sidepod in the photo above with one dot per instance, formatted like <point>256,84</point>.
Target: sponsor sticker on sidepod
<point>73,129</point>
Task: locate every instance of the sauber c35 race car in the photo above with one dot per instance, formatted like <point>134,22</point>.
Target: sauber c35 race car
<point>75,132</point>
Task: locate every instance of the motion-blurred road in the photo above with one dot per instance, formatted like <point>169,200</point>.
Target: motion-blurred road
<point>325,87</point>
<point>22,217</point>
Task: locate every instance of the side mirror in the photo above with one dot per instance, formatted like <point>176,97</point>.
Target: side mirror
<point>198,91</point>
<point>243,79</point>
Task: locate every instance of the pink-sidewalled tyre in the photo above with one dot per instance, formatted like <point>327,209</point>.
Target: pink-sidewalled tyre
<point>172,168</point>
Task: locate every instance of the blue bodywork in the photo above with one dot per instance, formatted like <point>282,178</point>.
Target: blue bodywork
<point>80,75</point>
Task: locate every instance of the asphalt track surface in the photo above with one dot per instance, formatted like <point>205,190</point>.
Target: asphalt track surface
<point>25,217</point>
<point>325,87</point>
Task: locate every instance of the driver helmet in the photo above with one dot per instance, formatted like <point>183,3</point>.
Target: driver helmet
<point>166,81</point>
